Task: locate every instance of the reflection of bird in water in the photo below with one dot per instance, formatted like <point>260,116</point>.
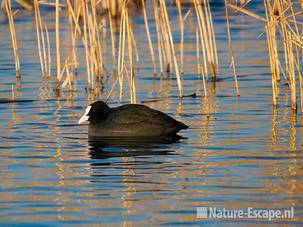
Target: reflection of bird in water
<point>121,147</point>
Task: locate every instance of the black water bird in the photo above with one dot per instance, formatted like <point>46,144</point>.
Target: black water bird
<point>130,120</point>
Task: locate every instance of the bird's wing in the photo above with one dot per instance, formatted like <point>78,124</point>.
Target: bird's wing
<point>136,114</point>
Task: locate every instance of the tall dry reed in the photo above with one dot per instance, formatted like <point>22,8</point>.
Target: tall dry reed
<point>8,8</point>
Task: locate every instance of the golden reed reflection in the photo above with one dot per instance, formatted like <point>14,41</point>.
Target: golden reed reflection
<point>209,109</point>
<point>284,126</point>
<point>292,131</point>
<point>274,129</point>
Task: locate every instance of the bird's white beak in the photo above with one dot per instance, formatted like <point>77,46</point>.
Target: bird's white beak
<point>85,117</point>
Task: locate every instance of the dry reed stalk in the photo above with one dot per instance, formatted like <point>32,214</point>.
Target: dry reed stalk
<point>120,45</point>
<point>168,29</point>
<point>95,50</point>
<point>122,48</point>
<point>151,49</point>
<point>301,92</point>
<point>206,32</point>
<point>71,63</point>
<point>97,42</point>
<point>293,15</point>
<point>232,59</point>
<point>247,12</point>
<point>270,29</point>
<point>181,22</point>
<point>165,46</point>
<point>68,79</point>
<point>156,15</point>
<point>204,70</point>
<point>163,40</point>
<point>288,48</point>
<point>92,46</point>
<point>120,42</point>
<point>293,59</point>
<point>61,75</point>
<point>291,72</point>
<point>283,30</point>
<point>49,63</point>
<point>212,34</point>
<point>112,38</point>
<point>38,31</point>
<point>52,4</point>
<point>75,18</point>
<point>274,47</point>
<point>135,46</point>
<point>204,52</point>
<point>197,51</point>
<point>112,88</point>
<point>8,8</point>
<point>130,45</point>
<point>271,43</point>
<point>122,52</point>
<point>85,43</point>
<point>43,42</point>
<point>210,38</point>
<point>298,67</point>
<point>45,56</point>
<point>73,51</point>
<point>201,70</point>
<point>26,4</point>
<point>201,31</point>
<point>74,28</point>
<point>58,57</point>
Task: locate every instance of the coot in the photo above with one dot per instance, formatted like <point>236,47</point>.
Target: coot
<point>130,120</point>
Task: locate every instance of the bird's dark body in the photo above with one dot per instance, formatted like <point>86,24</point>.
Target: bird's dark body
<point>133,120</point>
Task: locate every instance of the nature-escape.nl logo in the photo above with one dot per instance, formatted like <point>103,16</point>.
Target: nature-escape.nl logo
<point>249,212</point>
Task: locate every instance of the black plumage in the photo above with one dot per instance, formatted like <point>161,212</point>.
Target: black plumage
<point>132,120</point>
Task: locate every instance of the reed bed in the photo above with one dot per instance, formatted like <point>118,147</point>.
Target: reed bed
<point>284,40</point>
<point>281,26</point>
<point>85,26</point>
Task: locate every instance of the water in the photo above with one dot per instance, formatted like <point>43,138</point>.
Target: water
<point>237,153</point>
